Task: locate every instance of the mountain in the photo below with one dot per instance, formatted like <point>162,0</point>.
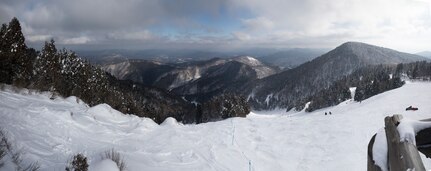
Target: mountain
<point>291,88</point>
<point>173,75</point>
<point>292,58</point>
<point>425,54</point>
<point>159,55</point>
<point>216,80</point>
<point>143,71</point>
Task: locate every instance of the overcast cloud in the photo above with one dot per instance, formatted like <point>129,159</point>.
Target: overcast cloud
<point>224,24</point>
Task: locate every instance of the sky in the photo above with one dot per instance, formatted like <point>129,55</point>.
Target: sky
<point>404,25</point>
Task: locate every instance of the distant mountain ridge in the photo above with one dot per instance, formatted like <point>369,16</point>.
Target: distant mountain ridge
<point>291,58</point>
<point>264,86</point>
<point>289,89</point>
<point>173,75</point>
<point>425,54</point>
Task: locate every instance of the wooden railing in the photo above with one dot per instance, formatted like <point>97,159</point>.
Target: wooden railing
<point>402,156</point>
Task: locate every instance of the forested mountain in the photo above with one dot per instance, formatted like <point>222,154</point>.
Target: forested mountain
<point>292,88</point>
<point>186,75</point>
<point>63,72</point>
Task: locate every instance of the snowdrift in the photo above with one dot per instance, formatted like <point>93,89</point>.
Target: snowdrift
<point>51,131</point>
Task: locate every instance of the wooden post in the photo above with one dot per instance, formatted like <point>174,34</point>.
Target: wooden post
<point>401,155</point>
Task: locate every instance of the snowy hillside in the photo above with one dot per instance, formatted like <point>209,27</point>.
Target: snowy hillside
<point>51,131</point>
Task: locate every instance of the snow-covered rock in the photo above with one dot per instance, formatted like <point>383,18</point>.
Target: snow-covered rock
<point>170,122</point>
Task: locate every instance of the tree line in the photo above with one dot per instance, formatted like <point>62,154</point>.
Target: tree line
<point>369,81</point>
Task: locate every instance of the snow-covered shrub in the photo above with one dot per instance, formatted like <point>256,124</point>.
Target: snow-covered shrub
<point>78,163</point>
<point>11,158</point>
<point>116,157</point>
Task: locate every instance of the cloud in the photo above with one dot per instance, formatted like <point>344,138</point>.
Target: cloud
<point>259,23</point>
<point>241,36</point>
<point>75,40</point>
<point>399,24</point>
<point>38,38</point>
<point>138,35</point>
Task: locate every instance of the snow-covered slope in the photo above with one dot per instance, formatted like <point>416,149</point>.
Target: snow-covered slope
<point>51,131</point>
<point>291,88</point>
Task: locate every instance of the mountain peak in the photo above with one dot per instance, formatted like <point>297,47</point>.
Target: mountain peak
<point>352,44</point>
<point>248,60</point>
<point>373,54</point>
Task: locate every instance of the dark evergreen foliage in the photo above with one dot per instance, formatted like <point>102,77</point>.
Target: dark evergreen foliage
<point>222,107</point>
<point>78,163</point>
<point>379,83</point>
<point>13,54</point>
<point>369,81</point>
<point>329,97</point>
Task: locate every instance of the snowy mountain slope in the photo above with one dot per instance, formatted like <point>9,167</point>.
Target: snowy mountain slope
<point>51,131</point>
<point>291,88</point>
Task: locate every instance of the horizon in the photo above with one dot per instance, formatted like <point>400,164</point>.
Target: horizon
<point>222,25</point>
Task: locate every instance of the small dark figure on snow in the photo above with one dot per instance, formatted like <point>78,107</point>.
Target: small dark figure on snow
<point>326,113</point>
<point>330,113</point>
<point>411,108</point>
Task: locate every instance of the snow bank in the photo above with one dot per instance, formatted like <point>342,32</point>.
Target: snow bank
<point>380,150</point>
<point>104,112</point>
<point>170,121</point>
<point>51,131</point>
<point>409,128</point>
<point>104,165</point>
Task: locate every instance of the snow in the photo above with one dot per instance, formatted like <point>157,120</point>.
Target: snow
<point>380,150</point>
<point>352,92</point>
<point>51,131</point>
<point>104,165</point>
<point>268,98</point>
<point>408,129</point>
<point>169,122</point>
<point>248,60</point>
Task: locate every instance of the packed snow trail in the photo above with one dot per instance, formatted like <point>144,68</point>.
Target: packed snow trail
<point>52,131</point>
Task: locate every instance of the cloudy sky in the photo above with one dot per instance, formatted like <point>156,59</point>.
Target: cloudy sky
<point>223,24</point>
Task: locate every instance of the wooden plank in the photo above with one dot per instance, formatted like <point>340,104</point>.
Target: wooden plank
<point>401,155</point>
<point>411,157</point>
<point>371,165</point>
<point>393,139</point>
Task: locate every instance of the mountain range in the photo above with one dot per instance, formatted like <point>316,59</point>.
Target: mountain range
<point>264,86</point>
<point>174,75</point>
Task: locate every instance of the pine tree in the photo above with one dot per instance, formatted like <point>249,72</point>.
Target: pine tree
<point>45,67</point>
<point>14,37</point>
<point>399,70</point>
<point>13,53</point>
<point>3,43</point>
